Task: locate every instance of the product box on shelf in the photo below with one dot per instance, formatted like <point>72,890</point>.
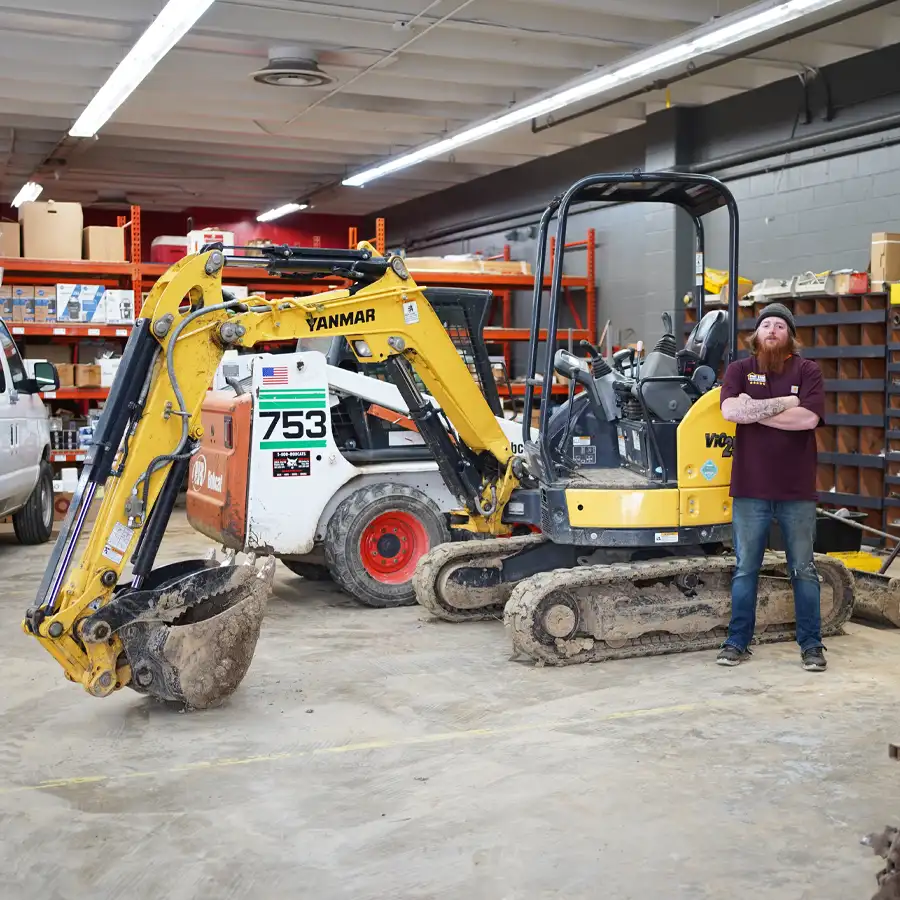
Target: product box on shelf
<point>10,240</point>
<point>66,372</point>
<point>118,307</point>
<point>104,244</point>
<point>79,302</point>
<point>108,368</point>
<point>87,375</point>
<point>6,302</point>
<point>23,303</point>
<point>196,239</point>
<point>44,304</point>
<point>51,230</point>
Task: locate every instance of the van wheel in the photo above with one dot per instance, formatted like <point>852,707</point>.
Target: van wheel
<point>33,523</point>
<point>375,539</point>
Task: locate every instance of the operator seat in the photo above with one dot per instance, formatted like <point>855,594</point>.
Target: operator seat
<point>705,345</point>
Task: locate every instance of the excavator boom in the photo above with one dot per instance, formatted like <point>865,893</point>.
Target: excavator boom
<point>187,632</point>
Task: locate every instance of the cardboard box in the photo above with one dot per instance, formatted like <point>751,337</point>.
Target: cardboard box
<point>87,376</point>
<point>848,282</point>
<point>108,369</point>
<point>79,303</point>
<point>44,304</point>
<point>6,302</point>
<point>885,256</point>
<point>118,307</point>
<point>196,239</point>
<point>104,244</point>
<point>66,372</point>
<point>51,230</point>
<point>10,240</point>
<point>58,354</point>
<point>23,303</point>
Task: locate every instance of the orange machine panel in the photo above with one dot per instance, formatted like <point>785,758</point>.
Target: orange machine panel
<point>219,471</point>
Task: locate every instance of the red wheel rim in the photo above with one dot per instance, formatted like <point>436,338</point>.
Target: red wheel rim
<point>390,546</point>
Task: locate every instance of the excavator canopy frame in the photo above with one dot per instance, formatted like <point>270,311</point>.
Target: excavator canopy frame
<point>698,195</point>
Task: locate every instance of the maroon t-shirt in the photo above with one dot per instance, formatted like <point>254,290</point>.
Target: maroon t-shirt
<point>769,463</point>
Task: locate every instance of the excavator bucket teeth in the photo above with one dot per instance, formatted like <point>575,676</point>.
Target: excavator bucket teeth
<point>196,637</point>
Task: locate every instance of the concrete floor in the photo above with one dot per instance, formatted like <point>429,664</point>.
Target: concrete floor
<point>371,754</point>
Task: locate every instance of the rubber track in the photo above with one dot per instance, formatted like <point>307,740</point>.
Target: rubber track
<point>528,594</point>
<point>432,567</point>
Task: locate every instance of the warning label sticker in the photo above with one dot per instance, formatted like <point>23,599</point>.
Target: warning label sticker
<point>583,451</point>
<point>290,463</point>
<point>411,312</point>
<point>118,542</point>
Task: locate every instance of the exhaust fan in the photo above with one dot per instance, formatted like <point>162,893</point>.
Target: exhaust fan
<point>292,66</point>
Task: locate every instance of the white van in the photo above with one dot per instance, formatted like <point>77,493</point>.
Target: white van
<point>26,478</point>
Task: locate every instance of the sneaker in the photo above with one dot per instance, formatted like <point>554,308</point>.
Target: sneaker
<point>814,659</point>
<point>731,656</point>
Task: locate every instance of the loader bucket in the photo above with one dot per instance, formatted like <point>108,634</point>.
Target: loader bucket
<point>195,640</point>
<point>877,598</point>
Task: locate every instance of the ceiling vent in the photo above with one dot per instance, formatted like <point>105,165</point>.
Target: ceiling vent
<point>292,66</point>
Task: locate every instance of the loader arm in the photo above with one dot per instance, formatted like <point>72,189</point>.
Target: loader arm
<point>186,632</point>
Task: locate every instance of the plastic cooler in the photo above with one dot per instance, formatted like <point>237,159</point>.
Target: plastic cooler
<point>168,249</point>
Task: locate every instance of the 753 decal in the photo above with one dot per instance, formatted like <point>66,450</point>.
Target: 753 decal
<point>286,429</point>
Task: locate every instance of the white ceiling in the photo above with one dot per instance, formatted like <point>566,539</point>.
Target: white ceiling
<point>200,132</point>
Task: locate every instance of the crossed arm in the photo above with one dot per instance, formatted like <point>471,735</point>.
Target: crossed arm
<point>784,413</point>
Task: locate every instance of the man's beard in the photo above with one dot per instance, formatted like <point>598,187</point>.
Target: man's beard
<point>771,355</point>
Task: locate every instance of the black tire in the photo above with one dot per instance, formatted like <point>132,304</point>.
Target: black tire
<point>421,526</point>
<point>33,523</point>
<point>309,571</point>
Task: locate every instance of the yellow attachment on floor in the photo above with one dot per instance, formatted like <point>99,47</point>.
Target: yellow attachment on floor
<point>859,559</point>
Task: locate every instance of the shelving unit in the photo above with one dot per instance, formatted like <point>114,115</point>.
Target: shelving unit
<point>846,334</point>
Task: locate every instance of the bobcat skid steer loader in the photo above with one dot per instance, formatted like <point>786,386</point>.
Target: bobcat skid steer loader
<point>364,505</point>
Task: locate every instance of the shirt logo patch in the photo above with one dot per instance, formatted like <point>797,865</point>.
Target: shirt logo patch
<point>795,388</point>
<point>756,378</point>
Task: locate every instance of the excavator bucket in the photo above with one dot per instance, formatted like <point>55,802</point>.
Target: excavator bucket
<point>877,598</point>
<point>190,635</point>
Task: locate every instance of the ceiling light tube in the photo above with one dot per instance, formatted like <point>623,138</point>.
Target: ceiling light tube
<point>280,211</point>
<point>168,28</point>
<point>28,193</point>
<point>726,32</point>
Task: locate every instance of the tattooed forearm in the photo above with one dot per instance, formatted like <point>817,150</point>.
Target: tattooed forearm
<point>744,410</point>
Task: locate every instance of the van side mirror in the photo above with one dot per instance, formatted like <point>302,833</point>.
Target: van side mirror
<point>46,378</point>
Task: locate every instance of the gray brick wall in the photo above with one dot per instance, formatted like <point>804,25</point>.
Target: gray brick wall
<point>817,216</point>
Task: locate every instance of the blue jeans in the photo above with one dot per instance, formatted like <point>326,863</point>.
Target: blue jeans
<point>750,522</point>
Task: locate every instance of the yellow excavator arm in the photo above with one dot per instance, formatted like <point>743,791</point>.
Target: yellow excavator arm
<point>186,632</point>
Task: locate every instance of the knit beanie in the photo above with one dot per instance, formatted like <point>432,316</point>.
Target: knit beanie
<point>779,310</point>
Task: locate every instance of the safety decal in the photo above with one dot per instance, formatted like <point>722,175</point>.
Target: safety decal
<point>666,537</point>
<point>411,312</point>
<point>118,542</point>
<point>709,470</point>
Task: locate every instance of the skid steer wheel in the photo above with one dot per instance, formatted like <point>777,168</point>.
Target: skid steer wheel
<point>309,571</point>
<point>375,539</point>
<point>33,523</point>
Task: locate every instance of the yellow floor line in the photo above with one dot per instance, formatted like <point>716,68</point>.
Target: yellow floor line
<point>387,744</point>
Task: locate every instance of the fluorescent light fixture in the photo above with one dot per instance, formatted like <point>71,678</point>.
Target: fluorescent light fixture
<point>725,32</point>
<point>28,193</point>
<point>174,21</point>
<point>280,211</point>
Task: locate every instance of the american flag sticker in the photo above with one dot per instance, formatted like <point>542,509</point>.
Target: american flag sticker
<point>274,375</point>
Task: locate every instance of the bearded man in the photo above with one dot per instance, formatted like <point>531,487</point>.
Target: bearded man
<point>777,400</point>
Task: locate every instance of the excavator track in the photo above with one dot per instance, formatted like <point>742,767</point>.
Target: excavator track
<point>648,608</point>
<point>451,601</point>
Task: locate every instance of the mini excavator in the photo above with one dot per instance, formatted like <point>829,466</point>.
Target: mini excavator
<point>627,481</point>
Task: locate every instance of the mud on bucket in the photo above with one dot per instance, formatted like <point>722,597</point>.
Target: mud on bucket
<point>196,639</point>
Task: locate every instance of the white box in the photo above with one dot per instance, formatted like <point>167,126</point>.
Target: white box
<point>118,307</point>
<point>196,239</point>
<point>239,291</point>
<point>80,303</point>
<point>108,368</point>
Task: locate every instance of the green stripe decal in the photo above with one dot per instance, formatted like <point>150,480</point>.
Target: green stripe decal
<point>291,445</point>
<point>291,395</point>
<point>290,404</point>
